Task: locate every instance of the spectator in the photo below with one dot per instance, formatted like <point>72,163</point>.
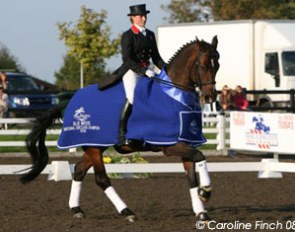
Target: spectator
<point>3,103</point>
<point>3,80</point>
<point>226,100</point>
<point>240,100</point>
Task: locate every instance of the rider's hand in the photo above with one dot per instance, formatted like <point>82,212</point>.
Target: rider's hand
<point>149,73</point>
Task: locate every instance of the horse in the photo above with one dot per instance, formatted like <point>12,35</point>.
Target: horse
<point>191,72</point>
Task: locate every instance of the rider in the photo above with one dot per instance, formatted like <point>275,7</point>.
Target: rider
<point>138,45</point>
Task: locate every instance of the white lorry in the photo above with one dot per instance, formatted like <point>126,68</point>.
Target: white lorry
<point>256,54</point>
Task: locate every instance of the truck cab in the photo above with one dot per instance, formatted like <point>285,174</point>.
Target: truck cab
<point>26,98</point>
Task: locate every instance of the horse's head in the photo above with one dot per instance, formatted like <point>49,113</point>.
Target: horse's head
<point>205,68</point>
<point>194,67</point>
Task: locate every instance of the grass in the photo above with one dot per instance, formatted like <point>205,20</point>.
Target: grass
<point>55,137</point>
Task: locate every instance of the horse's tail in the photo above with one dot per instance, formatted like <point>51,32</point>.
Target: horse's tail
<point>39,153</point>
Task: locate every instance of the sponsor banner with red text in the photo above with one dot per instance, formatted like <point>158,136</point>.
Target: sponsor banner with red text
<point>256,131</point>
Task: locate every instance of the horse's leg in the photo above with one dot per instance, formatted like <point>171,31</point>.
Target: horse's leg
<point>81,169</point>
<point>204,190</point>
<point>190,158</point>
<point>103,181</point>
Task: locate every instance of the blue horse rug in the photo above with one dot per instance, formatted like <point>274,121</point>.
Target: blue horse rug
<point>161,115</point>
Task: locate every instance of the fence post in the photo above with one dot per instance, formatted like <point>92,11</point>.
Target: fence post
<point>221,132</point>
<point>292,100</point>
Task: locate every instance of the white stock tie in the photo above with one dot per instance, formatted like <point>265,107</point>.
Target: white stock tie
<point>143,31</point>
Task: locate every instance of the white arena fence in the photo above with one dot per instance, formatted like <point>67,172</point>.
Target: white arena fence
<point>62,170</point>
<point>214,123</point>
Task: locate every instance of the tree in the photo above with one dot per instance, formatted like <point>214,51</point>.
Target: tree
<point>8,61</point>
<point>200,10</point>
<point>89,40</point>
<point>251,9</point>
<point>187,11</point>
<point>68,76</point>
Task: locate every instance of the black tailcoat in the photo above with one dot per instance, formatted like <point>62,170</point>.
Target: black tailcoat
<point>137,50</point>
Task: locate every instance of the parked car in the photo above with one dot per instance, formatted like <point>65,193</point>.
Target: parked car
<point>26,98</point>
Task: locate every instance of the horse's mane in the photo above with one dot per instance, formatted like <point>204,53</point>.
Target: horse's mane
<point>203,43</point>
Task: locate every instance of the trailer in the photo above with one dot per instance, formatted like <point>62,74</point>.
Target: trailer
<point>256,54</point>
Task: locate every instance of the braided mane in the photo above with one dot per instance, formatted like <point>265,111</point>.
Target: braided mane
<point>185,46</point>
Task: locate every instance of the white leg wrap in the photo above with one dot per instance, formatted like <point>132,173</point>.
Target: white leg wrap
<point>115,199</point>
<point>203,173</point>
<point>74,200</point>
<point>197,204</point>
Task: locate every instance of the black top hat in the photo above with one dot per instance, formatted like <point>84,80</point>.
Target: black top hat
<point>138,10</point>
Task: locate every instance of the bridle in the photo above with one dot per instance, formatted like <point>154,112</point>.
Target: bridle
<point>198,84</point>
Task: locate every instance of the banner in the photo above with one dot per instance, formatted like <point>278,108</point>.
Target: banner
<point>266,132</point>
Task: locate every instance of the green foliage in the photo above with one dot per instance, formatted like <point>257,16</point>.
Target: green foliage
<point>251,9</point>
<point>89,44</point>
<point>120,159</point>
<point>8,61</point>
<point>89,40</point>
<point>184,11</point>
<point>192,10</point>
<point>68,77</point>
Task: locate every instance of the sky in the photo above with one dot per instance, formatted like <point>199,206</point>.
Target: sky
<point>28,29</point>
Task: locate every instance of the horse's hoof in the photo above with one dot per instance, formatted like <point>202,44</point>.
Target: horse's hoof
<point>204,193</point>
<point>130,218</point>
<point>129,215</point>
<point>77,212</point>
<point>203,216</point>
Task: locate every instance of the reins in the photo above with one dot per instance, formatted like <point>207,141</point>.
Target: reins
<point>183,87</point>
<point>197,83</point>
<point>176,85</point>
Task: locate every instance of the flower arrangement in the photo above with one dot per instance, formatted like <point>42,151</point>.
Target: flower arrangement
<point>117,158</point>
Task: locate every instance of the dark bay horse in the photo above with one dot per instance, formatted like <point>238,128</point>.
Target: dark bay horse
<point>192,70</point>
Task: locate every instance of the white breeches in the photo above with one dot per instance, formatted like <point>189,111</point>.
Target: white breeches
<point>130,80</point>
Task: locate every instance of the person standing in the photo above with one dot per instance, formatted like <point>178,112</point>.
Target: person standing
<point>3,103</point>
<point>240,100</point>
<point>138,45</point>
<point>3,80</point>
<point>226,99</point>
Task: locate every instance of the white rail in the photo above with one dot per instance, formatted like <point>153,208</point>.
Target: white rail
<point>62,170</point>
<point>213,123</point>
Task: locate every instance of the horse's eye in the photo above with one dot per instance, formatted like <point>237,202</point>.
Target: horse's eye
<point>203,68</point>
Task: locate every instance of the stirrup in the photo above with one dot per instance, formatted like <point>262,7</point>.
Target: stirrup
<point>122,141</point>
<point>130,143</point>
<point>204,193</point>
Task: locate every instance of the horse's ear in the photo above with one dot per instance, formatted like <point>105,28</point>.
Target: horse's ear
<point>214,41</point>
<point>197,40</point>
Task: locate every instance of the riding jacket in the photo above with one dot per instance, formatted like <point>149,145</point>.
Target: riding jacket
<point>137,49</point>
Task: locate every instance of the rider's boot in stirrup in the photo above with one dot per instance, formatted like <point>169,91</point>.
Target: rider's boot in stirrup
<point>126,112</point>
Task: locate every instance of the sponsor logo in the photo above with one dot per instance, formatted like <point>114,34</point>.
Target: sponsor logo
<point>81,122</point>
<point>260,135</point>
<point>193,128</point>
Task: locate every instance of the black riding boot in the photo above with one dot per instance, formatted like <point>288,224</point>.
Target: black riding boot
<point>125,114</point>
